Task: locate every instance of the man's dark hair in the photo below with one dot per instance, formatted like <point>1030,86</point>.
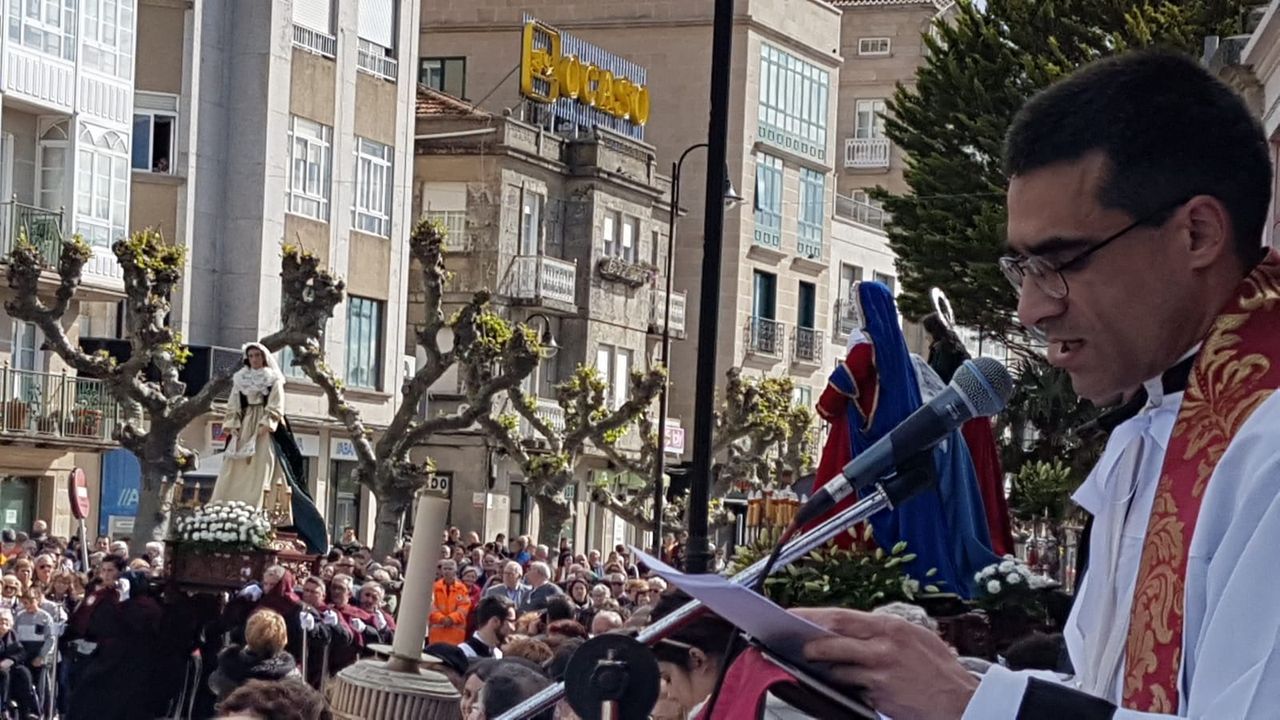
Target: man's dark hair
<point>510,685</point>
<point>278,700</point>
<point>121,564</point>
<point>559,608</point>
<point>451,656</point>
<point>1036,651</point>
<point>559,662</point>
<point>1169,130</point>
<point>492,607</point>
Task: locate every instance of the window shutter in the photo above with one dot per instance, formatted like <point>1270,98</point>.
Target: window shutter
<point>314,14</point>
<point>378,22</point>
<point>155,102</point>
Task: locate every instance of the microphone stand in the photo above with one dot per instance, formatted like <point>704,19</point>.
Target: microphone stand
<point>888,493</point>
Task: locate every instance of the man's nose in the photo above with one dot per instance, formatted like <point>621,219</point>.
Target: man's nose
<point>1035,306</point>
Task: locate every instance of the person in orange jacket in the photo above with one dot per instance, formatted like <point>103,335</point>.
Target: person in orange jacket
<point>449,607</point>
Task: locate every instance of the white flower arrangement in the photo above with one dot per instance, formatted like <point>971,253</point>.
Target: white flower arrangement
<point>225,523</point>
<point>997,577</point>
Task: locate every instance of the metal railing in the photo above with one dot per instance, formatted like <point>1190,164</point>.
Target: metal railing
<point>806,345</point>
<point>549,412</point>
<point>38,226</point>
<point>377,63</point>
<point>765,336</point>
<point>56,405</point>
<point>846,317</point>
<point>861,212</point>
<point>536,278</point>
<point>768,237</point>
<point>455,228</point>
<point>866,153</point>
<point>658,309</point>
<point>315,41</point>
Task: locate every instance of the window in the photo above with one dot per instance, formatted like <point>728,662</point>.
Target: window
<point>619,234</point>
<point>793,103</point>
<point>873,46</point>
<point>849,276</point>
<point>812,216</point>
<point>364,342</point>
<point>448,75</point>
<point>51,162</point>
<point>26,346</point>
<point>765,297</point>
<point>806,305</point>
<point>373,187</point>
<point>768,200</point>
<point>155,124</point>
<point>377,22</point>
<point>44,25</point>
<point>310,161</point>
<point>531,211</point>
<point>344,503</point>
<point>313,14</point>
<point>886,280</point>
<point>108,36</point>
<point>869,119</point>
<point>803,396</point>
<point>614,366</point>
<point>102,186</point>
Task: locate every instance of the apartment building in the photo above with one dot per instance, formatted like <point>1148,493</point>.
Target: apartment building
<point>1261,54</point>
<point>66,89</point>
<point>775,274</point>
<point>881,43</point>
<point>568,229</point>
<point>264,123</point>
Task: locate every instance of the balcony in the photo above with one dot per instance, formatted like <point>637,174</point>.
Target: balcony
<point>866,153</point>
<point>765,337</point>
<point>550,412</point>
<point>315,41</point>
<point>40,227</point>
<point>544,281</point>
<point>806,346</point>
<point>861,212</point>
<point>375,61</point>
<point>846,318</point>
<point>658,309</point>
<point>56,409</point>
<point>455,229</point>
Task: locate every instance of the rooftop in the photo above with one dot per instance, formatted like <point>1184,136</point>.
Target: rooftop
<point>433,103</point>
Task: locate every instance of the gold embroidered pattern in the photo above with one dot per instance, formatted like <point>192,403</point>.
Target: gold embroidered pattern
<point>1231,378</point>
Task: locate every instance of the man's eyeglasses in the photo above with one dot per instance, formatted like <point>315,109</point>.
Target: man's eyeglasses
<point>1048,276</point>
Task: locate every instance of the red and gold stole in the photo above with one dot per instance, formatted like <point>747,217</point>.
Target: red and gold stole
<point>1233,375</point>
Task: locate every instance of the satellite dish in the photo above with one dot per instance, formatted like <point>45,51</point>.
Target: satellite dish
<point>942,306</point>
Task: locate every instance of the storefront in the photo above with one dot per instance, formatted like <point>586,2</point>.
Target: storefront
<point>18,501</point>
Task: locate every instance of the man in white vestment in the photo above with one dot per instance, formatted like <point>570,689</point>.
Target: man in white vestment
<point>1138,197</point>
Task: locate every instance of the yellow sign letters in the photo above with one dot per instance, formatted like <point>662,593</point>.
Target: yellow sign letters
<point>546,76</point>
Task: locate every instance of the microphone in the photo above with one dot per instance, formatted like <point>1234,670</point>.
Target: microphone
<point>980,388</point>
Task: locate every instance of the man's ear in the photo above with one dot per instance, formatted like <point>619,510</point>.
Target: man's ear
<point>1209,231</point>
<point>698,659</point>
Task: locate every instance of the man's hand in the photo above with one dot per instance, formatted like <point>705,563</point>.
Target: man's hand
<point>37,662</point>
<point>447,622</point>
<point>905,671</point>
<point>6,664</point>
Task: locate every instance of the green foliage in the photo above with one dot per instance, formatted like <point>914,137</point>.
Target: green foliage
<point>982,65</point>
<point>1041,418</point>
<point>148,250</point>
<point>177,350</point>
<point>833,577</point>
<point>1042,489</point>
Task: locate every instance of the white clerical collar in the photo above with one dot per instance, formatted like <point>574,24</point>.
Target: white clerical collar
<point>1155,387</point>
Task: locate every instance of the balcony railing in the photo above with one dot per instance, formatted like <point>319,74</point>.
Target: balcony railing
<point>806,345</point>
<point>765,336</point>
<point>549,412</point>
<point>658,309</point>
<point>537,279</point>
<point>315,41</point>
<point>55,406</point>
<point>861,212</point>
<point>866,153</point>
<point>375,61</point>
<point>846,315</point>
<point>455,228</point>
<point>809,241</point>
<point>40,227</point>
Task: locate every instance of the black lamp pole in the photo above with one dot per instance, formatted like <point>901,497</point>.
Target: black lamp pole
<point>700,553</point>
<point>660,464</point>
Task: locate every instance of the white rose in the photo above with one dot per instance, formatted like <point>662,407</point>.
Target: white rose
<point>988,571</point>
<point>1007,566</point>
<point>1024,571</point>
<point>993,586</point>
<point>1009,557</point>
<point>978,577</point>
<point>1013,578</point>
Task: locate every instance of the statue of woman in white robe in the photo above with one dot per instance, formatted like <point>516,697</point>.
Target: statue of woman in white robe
<point>250,467</point>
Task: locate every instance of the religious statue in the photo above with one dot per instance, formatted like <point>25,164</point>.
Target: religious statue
<point>262,465</point>
<point>877,385</point>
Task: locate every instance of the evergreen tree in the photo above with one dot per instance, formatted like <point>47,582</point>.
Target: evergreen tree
<point>983,64</point>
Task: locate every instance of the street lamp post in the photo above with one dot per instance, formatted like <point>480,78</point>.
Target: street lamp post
<point>731,198</point>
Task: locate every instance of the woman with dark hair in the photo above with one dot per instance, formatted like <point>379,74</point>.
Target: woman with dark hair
<point>946,352</point>
<point>690,659</point>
